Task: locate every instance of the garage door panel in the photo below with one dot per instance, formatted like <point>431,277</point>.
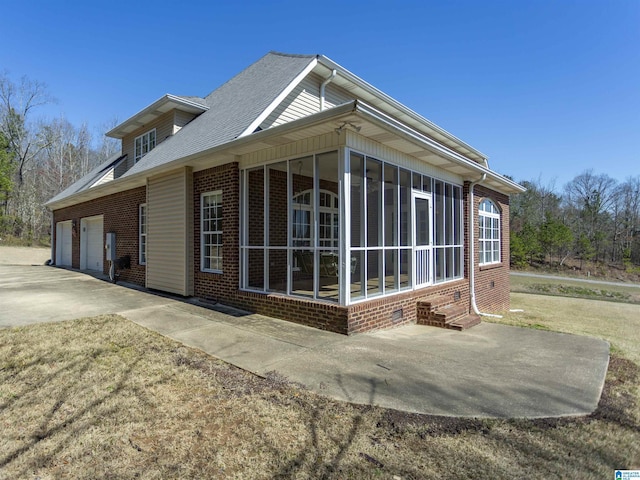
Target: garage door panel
<point>92,247</point>
<point>63,243</point>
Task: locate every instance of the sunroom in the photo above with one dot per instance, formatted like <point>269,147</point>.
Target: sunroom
<point>342,226</point>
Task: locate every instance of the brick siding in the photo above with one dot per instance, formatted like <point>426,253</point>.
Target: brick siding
<point>121,215</point>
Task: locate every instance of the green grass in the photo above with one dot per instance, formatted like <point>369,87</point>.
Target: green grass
<point>575,289</point>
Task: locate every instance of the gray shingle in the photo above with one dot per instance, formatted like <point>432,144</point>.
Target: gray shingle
<point>232,108</point>
<point>89,179</point>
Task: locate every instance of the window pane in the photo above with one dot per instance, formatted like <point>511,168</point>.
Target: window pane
<point>255,207</point>
<point>457,216</point>
<point>302,185</point>
<point>405,268</point>
<point>302,274</point>
<point>391,210</point>
<point>417,181</point>
<point>405,207</point>
<point>391,281</point>
<point>448,214</point>
<point>374,202</point>
<point>440,261</point>
<point>255,267</point>
<point>457,258</point>
<point>277,271</point>
<point>357,274</point>
<point>328,275</point>
<point>439,212</point>
<point>426,183</point>
<point>374,271</point>
<point>357,192</point>
<point>278,206</point>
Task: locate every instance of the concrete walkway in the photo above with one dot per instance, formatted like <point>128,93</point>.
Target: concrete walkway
<point>488,371</point>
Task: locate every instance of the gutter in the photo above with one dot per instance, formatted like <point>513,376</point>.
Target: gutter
<point>472,261</point>
<point>434,146</point>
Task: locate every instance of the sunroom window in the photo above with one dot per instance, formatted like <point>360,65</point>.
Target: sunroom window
<point>402,229</point>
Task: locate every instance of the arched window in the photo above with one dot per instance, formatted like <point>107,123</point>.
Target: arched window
<point>489,232</point>
<point>328,221</point>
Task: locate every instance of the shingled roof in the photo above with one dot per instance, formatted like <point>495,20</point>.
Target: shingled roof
<point>232,109</point>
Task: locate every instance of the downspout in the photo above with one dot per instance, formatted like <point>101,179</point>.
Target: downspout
<point>472,242</point>
<point>323,85</point>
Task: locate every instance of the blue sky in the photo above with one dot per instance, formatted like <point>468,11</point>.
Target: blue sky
<point>546,89</point>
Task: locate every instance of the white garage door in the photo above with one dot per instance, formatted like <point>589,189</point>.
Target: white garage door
<point>91,243</point>
<point>63,243</point>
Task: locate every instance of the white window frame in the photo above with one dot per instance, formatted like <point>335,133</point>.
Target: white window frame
<point>488,234</point>
<point>142,234</point>
<point>144,148</point>
<point>204,233</point>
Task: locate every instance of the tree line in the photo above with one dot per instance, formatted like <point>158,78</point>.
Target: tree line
<point>593,218</point>
<point>38,158</point>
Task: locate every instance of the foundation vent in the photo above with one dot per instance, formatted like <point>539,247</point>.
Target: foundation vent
<point>397,315</point>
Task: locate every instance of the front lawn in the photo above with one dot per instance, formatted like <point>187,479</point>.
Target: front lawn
<point>104,398</point>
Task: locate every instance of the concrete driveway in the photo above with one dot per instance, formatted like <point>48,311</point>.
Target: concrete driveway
<point>488,371</point>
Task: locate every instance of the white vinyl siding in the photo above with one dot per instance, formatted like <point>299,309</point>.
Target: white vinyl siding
<point>305,100</point>
<point>170,232</point>
<point>211,232</point>
<point>489,233</point>
<point>142,242</point>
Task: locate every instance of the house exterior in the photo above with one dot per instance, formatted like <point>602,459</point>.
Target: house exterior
<point>299,191</point>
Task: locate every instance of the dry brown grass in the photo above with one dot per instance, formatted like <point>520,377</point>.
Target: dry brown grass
<point>104,398</point>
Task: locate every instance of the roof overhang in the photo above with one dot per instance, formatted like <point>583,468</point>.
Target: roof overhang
<point>159,107</point>
<point>380,100</point>
<point>373,124</point>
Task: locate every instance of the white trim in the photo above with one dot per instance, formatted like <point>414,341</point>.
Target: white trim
<point>482,240</point>
<point>272,106</point>
<point>210,232</point>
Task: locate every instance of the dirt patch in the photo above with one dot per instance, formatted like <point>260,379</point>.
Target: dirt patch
<point>24,255</point>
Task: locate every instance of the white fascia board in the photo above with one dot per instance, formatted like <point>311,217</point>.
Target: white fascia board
<point>272,106</point>
<point>117,131</point>
<point>327,62</point>
<point>381,117</point>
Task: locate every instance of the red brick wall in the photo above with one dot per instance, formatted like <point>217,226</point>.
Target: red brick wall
<point>492,281</point>
<point>379,313</point>
<point>219,286</point>
<point>121,215</point>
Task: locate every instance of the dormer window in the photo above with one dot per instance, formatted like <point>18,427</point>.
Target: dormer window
<point>144,144</point>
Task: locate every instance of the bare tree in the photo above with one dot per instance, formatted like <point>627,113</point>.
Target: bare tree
<point>17,101</point>
<point>590,199</point>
